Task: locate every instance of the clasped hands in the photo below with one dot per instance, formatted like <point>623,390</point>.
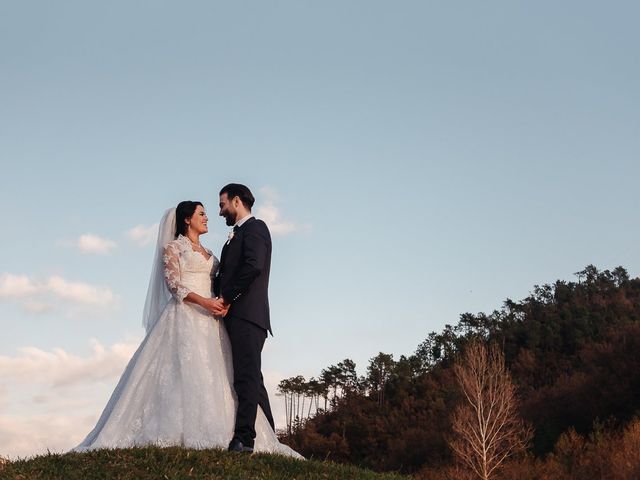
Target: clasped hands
<point>217,306</point>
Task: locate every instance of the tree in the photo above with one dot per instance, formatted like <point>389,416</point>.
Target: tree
<point>332,378</point>
<point>348,375</point>
<point>487,428</point>
<point>285,389</point>
<point>426,352</point>
<point>294,390</point>
<point>378,373</point>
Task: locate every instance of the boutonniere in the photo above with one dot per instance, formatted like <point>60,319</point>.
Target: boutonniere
<point>230,237</point>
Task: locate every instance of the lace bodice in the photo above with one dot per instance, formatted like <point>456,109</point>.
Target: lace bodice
<point>186,270</point>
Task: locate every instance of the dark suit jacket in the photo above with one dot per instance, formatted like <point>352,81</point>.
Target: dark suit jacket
<point>243,276</point>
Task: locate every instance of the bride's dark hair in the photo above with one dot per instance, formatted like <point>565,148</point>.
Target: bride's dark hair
<point>184,211</point>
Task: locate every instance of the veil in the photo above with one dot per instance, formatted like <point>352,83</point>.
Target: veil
<point>158,294</point>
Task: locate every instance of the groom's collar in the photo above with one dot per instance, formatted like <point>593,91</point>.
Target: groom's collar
<point>242,221</point>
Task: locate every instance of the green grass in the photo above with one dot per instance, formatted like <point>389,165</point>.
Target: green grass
<point>177,463</point>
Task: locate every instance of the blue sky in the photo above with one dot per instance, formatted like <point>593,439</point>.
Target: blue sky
<point>416,160</point>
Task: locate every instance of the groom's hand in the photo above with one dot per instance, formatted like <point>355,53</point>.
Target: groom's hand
<point>220,307</point>
<point>211,305</point>
<point>225,306</point>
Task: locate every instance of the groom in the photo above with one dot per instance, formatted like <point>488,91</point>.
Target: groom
<point>241,285</point>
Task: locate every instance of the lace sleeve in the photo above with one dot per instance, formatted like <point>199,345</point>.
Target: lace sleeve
<point>171,263</point>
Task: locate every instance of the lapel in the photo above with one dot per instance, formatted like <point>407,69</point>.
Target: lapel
<point>223,254</point>
<point>227,244</point>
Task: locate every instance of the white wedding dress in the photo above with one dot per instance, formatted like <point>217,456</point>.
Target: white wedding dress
<point>177,388</point>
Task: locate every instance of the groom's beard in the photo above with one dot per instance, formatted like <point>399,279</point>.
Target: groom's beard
<point>231,221</point>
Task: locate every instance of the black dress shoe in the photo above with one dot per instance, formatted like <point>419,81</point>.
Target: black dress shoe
<point>237,446</point>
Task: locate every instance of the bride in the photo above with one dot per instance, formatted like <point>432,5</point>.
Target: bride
<point>177,388</point>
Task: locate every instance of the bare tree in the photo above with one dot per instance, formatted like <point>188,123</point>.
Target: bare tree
<point>487,428</point>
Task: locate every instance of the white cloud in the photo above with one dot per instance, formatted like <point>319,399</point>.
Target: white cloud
<point>3,396</point>
<point>90,243</point>
<point>53,290</point>
<point>58,368</point>
<point>28,435</point>
<point>52,399</point>
<point>271,214</point>
<point>80,292</point>
<point>143,235</point>
<point>13,286</point>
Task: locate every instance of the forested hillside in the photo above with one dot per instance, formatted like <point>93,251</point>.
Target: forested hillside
<point>573,349</point>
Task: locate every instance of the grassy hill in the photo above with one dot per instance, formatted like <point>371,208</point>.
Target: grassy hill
<point>177,463</point>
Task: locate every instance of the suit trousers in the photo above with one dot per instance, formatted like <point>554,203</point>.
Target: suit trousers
<point>247,340</point>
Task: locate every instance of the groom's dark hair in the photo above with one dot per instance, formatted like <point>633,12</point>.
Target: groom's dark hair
<point>241,191</point>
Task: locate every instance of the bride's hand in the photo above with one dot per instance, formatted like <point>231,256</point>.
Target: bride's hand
<point>219,309</point>
<point>212,305</point>
<point>217,306</point>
